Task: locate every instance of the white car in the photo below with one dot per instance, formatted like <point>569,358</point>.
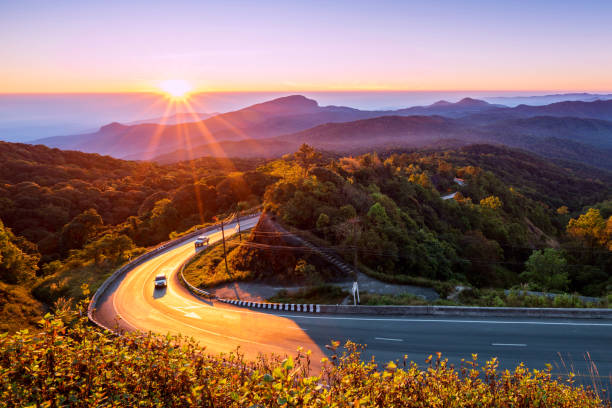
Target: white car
<point>161,281</point>
<point>201,241</point>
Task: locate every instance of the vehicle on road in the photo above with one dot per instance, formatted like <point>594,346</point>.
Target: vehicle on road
<point>201,241</point>
<point>161,281</point>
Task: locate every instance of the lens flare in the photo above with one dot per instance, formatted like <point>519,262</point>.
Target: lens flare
<point>176,88</point>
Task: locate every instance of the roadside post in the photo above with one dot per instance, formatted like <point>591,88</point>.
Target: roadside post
<point>355,291</point>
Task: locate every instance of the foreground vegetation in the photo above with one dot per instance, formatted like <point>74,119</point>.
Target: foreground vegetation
<point>69,363</point>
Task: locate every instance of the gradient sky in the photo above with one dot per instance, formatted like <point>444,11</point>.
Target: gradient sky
<point>106,46</point>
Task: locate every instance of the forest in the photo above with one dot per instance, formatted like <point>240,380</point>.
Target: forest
<point>69,218</point>
<point>514,219</point>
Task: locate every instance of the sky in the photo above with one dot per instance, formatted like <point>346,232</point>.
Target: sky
<point>218,46</point>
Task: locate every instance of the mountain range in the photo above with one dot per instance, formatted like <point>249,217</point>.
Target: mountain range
<point>571,130</point>
<point>176,118</point>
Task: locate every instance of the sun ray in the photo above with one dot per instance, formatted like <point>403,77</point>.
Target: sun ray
<point>159,129</point>
<point>205,132</point>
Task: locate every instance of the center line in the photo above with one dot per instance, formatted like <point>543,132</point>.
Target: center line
<point>509,344</point>
<point>385,338</point>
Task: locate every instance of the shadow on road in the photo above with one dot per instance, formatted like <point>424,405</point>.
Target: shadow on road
<point>159,292</point>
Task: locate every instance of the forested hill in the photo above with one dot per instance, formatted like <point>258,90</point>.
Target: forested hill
<point>555,183</point>
<point>43,189</point>
<point>45,166</point>
<point>70,218</point>
<point>483,215</point>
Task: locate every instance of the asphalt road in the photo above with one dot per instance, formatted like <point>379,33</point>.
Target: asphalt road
<point>134,304</point>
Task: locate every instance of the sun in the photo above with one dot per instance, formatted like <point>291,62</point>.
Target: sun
<point>176,88</point>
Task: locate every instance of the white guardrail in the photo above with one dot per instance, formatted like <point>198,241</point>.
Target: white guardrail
<point>145,257</point>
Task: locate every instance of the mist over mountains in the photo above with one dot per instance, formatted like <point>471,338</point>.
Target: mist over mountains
<point>569,130</point>
<point>27,117</point>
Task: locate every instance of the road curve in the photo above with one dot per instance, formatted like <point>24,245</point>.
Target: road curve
<point>132,303</point>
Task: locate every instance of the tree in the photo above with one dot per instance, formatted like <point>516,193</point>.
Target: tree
<point>78,231</point>
<point>322,222</point>
<point>111,246</point>
<point>492,202</point>
<point>547,270</point>
<point>590,228</point>
<point>15,265</point>
<point>563,210</point>
<point>307,158</point>
<point>164,218</point>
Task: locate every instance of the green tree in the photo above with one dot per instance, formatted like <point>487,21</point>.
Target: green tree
<point>322,222</point>
<point>110,246</point>
<point>547,270</point>
<point>78,231</point>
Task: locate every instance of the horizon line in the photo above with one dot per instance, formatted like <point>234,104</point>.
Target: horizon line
<point>299,91</point>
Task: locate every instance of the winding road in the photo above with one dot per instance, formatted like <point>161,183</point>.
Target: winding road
<point>132,303</point>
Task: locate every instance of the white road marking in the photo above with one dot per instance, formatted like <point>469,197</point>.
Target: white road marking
<point>188,307</point>
<point>509,344</point>
<point>387,339</point>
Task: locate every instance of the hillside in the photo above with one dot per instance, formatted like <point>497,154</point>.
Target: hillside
<point>73,217</point>
<point>509,205</point>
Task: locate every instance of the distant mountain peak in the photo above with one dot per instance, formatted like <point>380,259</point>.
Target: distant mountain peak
<point>441,103</point>
<point>113,126</point>
<point>472,102</point>
<point>294,103</point>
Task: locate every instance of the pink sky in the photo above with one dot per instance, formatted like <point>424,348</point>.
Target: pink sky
<point>75,46</point>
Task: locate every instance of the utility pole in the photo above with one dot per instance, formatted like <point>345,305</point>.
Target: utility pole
<point>224,250</point>
<point>354,221</point>
<point>239,232</point>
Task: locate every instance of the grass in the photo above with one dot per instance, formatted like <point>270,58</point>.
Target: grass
<point>375,299</point>
<point>71,276</point>
<point>323,294</point>
<point>207,268</point>
<point>498,298</point>
<point>484,298</point>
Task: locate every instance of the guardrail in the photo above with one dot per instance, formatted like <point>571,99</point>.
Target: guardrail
<point>429,310</point>
<point>139,260</point>
<point>471,311</point>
